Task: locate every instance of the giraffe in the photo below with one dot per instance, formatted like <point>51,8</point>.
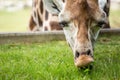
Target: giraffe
<point>41,19</point>
<point>81,21</point>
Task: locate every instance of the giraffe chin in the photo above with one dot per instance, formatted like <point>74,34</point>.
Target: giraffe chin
<point>83,61</point>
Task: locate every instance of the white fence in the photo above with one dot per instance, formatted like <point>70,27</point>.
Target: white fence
<point>13,5</point>
<point>41,37</point>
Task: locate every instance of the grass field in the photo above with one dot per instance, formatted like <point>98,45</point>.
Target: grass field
<point>115,18</point>
<point>14,21</point>
<point>18,21</point>
<point>54,61</point>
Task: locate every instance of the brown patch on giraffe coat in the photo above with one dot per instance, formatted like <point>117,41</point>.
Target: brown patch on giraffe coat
<point>32,24</point>
<point>46,15</point>
<point>46,28</point>
<point>54,14</point>
<point>63,0</point>
<point>55,25</point>
<point>41,7</point>
<point>39,19</point>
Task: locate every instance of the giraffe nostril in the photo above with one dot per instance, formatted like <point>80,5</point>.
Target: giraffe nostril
<point>78,54</point>
<point>88,52</point>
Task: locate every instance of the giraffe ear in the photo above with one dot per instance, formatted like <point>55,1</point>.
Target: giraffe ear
<point>53,6</point>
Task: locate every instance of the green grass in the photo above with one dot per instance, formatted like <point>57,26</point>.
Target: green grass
<point>54,61</point>
<point>14,21</point>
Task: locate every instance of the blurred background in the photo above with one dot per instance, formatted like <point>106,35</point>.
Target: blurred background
<point>15,14</point>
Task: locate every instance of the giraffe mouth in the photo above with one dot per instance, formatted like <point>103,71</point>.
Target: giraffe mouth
<point>83,61</point>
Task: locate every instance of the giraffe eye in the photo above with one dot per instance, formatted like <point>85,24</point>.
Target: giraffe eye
<point>101,23</point>
<point>63,24</point>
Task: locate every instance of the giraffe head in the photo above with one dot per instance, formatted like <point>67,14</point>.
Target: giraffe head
<point>81,21</point>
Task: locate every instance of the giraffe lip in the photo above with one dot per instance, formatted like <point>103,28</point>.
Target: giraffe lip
<point>83,60</point>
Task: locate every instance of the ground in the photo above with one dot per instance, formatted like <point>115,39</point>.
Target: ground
<point>54,61</point>
<point>14,21</point>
